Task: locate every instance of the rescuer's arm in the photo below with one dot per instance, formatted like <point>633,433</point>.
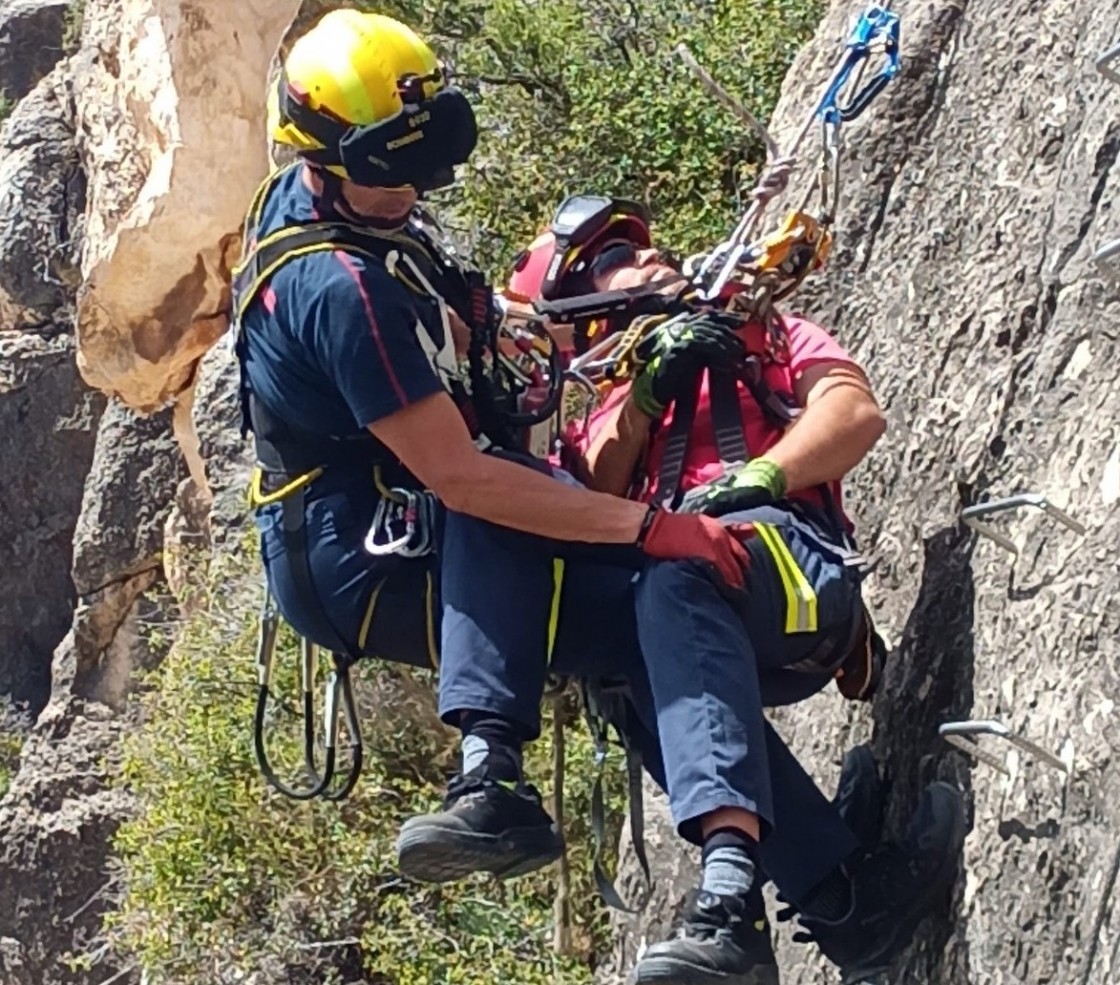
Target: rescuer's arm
<point>619,438</point>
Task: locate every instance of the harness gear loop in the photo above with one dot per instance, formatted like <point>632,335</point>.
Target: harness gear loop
<point>338,692</point>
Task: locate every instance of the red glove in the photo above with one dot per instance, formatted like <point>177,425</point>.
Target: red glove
<point>673,536</point>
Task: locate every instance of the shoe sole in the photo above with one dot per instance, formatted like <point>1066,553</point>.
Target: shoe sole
<point>433,853</point>
<point>904,931</point>
<point>667,971</point>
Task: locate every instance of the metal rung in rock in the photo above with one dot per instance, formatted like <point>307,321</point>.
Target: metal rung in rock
<point>971,516</point>
<point>1104,64</point>
<point>957,734</point>
<point>1106,258</point>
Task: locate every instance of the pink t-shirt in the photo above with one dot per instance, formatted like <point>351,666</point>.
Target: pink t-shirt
<point>809,345</point>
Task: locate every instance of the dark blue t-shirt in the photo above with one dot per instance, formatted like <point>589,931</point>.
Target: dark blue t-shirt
<point>331,340</point>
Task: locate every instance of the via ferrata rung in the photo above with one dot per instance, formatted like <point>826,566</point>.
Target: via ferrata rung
<point>972,514</point>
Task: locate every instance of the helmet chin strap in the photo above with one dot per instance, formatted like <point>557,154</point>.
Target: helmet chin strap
<point>333,199</point>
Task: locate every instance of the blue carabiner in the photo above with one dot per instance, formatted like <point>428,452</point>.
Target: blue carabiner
<point>876,24</point>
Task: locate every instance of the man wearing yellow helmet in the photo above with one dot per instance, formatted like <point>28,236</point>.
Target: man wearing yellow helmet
<point>351,321</point>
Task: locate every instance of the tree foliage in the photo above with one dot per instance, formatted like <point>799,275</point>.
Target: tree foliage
<point>575,95</point>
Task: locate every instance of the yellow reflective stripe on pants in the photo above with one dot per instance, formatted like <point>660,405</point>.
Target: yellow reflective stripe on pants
<point>554,613</point>
<point>433,646</point>
<point>801,600</point>
<point>363,633</point>
<point>429,618</point>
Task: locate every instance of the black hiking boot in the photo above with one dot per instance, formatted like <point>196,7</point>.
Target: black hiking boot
<point>893,887</point>
<point>721,940</point>
<point>485,826</point>
<point>861,795</point>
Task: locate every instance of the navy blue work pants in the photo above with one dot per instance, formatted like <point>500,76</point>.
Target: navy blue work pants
<point>700,668</point>
<point>516,607</point>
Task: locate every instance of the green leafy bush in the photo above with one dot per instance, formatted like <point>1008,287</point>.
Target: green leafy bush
<point>220,872</point>
<point>10,746</point>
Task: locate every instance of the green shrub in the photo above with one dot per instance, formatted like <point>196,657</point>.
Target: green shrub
<point>72,26</point>
<point>10,745</point>
<point>220,872</point>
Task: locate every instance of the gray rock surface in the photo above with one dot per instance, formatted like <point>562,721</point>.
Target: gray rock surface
<point>974,197</point>
<point>48,422</point>
<point>57,819</point>
<point>31,34</point>
<point>42,199</point>
<point>227,458</point>
<point>136,467</point>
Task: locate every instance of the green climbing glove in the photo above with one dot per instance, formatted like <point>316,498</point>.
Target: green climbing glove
<point>757,483</point>
<point>675,354</point>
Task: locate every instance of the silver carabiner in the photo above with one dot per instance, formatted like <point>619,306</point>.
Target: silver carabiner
<point>380,526</point>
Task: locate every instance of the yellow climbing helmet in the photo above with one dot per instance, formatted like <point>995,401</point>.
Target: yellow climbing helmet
<point>362,95</point>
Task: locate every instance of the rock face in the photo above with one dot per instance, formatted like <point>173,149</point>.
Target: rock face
<point>43,404</point>
<point>42,199</point>
<point>171,132</point>
<point>31,33</point>
<point>62,807</point>
<point>975,194</point>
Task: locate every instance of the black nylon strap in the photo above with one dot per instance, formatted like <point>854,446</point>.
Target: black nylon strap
<point>676,446</point>
<point>727,418</point>
<point>295,543</point>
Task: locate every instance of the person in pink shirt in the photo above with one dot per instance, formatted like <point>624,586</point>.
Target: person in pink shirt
<point>756,425</point>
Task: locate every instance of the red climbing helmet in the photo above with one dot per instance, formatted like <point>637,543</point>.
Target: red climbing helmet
<point>561,261</point>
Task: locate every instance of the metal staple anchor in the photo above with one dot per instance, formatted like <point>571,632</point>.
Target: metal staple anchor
<point>1105,259</point>
<point>971,516</point>
<point>1104,64</point>
<point>956,734</point>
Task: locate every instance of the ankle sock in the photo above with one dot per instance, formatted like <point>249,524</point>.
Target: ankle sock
<point>728,867</point>
<point>492,741</point>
